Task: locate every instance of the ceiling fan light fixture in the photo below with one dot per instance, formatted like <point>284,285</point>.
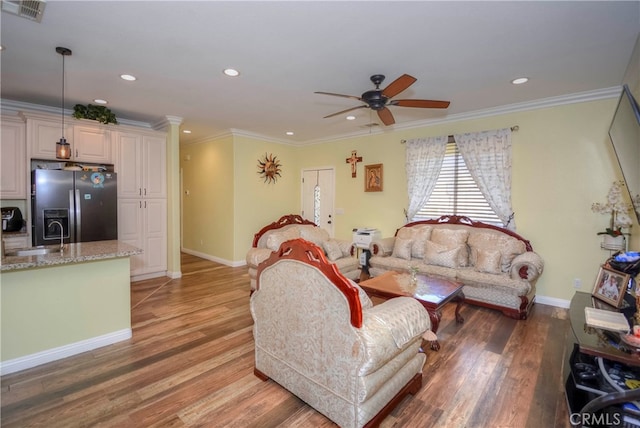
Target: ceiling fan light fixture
<point>520,80</point>
<point>63,149</point>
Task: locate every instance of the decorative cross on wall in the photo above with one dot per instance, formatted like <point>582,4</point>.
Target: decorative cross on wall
<point>353,160</point>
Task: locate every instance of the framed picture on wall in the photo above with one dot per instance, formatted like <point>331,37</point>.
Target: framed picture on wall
<point>373,178</point>
<point>610,286</point>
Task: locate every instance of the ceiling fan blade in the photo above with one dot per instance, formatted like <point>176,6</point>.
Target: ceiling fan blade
<point>420,103</point>
<point>344,111</point>
<point>398,85</point>
<point>386,117</point>
<point>339,95</point>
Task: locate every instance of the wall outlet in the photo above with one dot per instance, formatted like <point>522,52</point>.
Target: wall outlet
<point>577,283</point>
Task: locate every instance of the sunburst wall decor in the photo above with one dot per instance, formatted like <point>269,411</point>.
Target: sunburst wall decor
<point>269,168</point>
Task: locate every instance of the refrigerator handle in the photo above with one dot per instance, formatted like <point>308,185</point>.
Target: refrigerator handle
<point>72,217</point>
<point>78,216</point>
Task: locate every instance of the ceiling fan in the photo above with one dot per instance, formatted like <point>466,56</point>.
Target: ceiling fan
<point>378,99</point>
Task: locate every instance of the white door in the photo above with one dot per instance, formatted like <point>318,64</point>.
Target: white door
<point>318,197</point>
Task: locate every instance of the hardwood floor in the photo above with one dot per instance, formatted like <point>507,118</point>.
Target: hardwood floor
<point>190,364</point>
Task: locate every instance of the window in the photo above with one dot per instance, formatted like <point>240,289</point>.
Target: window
<point>456,192</point>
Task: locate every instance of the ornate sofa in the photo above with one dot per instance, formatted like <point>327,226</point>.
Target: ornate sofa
<point>269,238</point>
<point>497,267</point>
<point>318,335</point>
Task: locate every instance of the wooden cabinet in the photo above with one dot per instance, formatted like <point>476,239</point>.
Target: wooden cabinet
<point>143,224</point>
<point>141,165</point>
<point>13,159</point>
<point>142,199</point>
<point>89,142</point>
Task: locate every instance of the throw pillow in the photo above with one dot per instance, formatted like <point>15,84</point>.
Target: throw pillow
<point>420,236</point>
<point>275,239</point>
<point>402,248</point>
<point>488,261</point>
<point>441,255</point>
<point>314,234</point>
<point>332,249</point>
<point>452,238</point>
<point>345,246</point>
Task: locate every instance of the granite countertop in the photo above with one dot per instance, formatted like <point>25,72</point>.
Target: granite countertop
<point>73,253</point>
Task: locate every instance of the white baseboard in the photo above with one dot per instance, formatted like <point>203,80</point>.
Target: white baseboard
<point>214,259</point>
<point>148,276</point>
<point>43,357</point>
<point>174,275</point>
<point>553,301</point>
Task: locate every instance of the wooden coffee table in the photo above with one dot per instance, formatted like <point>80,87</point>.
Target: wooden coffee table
<point>433,293</point>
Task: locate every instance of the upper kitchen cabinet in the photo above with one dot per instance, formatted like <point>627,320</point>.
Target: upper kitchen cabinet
<point>89,142</point>
<point>13,159</point>
<point>141,164</point>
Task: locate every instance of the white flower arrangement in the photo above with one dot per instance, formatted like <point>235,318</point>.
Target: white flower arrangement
<point>617,208</point>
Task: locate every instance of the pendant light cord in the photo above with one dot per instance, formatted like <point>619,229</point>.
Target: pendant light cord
<point>62,109</point>
<point>64,52</point>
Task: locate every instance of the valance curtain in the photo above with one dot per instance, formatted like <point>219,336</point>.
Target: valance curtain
<point>423,162</point>
<point>488,157</point>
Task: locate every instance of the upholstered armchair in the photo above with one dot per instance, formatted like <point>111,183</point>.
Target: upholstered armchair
<point>318,335</point>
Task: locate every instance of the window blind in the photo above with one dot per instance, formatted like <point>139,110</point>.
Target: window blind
<point>456,192</point>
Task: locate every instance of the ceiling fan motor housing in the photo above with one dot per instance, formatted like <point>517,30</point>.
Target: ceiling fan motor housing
<point>375,99</point>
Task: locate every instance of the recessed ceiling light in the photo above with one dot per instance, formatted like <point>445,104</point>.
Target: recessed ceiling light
<point>520,80</point>
<point>127,77</point>
<point>351,117</point>
<point>289,132</point>
<point>186,131</point>
<point>231,72</point>
<point>99,101</point>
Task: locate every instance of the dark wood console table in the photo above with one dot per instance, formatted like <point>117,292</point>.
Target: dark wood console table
<point>592,399</point>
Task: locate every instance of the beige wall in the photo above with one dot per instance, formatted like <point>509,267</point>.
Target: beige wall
<point>208,208</point>
<point>228,202</point>
<point>258,203</point>
<point>563,161</point>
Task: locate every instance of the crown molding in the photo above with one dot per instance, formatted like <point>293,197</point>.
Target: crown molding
<point>12,106</point>
<point>581,97</point>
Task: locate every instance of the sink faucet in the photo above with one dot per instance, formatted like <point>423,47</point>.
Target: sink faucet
<point>61,233</point>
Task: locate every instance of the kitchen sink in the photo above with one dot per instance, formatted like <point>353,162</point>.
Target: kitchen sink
<point>36,251</point>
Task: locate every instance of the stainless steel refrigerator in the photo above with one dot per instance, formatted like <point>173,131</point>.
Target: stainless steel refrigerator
<point>84,203</point>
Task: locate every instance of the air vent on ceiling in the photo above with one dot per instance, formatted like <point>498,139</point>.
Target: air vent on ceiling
<point>370,125</point>
<point>29,9</point>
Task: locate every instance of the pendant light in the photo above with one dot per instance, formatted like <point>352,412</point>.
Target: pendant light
<point>63,149</point>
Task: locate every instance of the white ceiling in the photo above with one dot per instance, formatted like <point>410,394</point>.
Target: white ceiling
<point>464,52</point>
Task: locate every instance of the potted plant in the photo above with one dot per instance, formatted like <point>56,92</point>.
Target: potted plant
<point>618,209</point>
<point>99,113</point>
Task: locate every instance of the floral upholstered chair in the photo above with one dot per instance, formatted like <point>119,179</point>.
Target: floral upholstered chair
<point>318,335</point>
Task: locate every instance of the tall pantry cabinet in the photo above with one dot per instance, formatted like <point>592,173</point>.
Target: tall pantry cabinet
<point>141,160</point>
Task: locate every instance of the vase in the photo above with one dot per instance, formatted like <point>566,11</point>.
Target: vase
<point>613,242</point>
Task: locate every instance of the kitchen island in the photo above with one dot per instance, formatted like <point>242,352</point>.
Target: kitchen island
<point>60,304</point>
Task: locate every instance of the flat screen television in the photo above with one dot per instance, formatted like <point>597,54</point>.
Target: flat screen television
<point>625,136</point>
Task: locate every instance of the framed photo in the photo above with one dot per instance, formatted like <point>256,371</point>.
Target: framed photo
<point>373,178</point>
<point>610,286</point>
